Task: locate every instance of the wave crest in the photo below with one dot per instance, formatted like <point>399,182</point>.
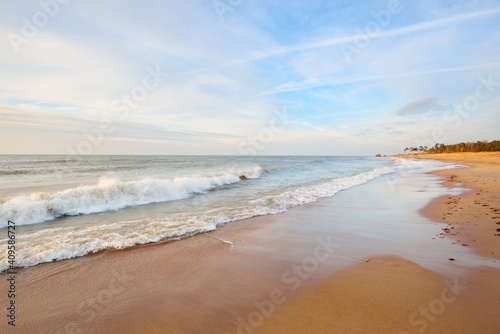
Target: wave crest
<point>110,194</point>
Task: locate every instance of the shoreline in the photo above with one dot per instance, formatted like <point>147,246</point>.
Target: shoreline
<point>474,215</point>
<point>202,283</point>
<point>471,307</point>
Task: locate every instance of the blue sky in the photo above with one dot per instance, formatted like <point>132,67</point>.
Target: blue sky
<point>246,77</point>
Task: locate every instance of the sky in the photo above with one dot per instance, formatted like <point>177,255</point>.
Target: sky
<point>241,77</point>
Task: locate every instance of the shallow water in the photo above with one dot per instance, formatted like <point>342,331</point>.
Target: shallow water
<point>68,207</point>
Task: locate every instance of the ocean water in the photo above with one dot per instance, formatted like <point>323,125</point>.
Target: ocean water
<point>66,207</point>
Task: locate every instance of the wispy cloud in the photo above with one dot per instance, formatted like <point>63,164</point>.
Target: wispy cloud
<point>331,80</point>
<point>221,80</point>
<point>383,34</point>
<point>418,107</point>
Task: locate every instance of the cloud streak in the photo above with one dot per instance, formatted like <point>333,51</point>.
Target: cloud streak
<point>384,34</point>
<point>223,79</point>
<point>421,106</point>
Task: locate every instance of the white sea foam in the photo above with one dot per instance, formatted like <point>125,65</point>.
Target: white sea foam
<point>110,194</point>
<point>58,243</point>
<point>304,195</point>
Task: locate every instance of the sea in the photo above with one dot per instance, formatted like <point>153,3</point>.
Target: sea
<point>69,206</point>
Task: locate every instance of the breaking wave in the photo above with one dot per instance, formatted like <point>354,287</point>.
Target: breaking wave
<point>110,194</point>
<point>64,242</point>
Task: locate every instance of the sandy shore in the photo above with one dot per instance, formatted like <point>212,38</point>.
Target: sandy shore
<point>474,217</point>
<point>303,271</point>
<point>393,295</point>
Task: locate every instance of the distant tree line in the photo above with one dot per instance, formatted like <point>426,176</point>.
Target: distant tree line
<point>479,146</point>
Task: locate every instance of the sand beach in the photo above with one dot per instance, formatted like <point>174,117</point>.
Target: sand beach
<point>406,253</point>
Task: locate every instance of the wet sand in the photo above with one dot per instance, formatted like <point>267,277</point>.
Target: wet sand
<point>301,271</point>
<point>474,217</point>
<point>393,295</point>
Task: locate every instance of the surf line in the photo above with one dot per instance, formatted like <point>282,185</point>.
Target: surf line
<point>225,241</point>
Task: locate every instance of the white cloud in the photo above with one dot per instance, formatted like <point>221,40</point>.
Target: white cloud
<point>221,79</point>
